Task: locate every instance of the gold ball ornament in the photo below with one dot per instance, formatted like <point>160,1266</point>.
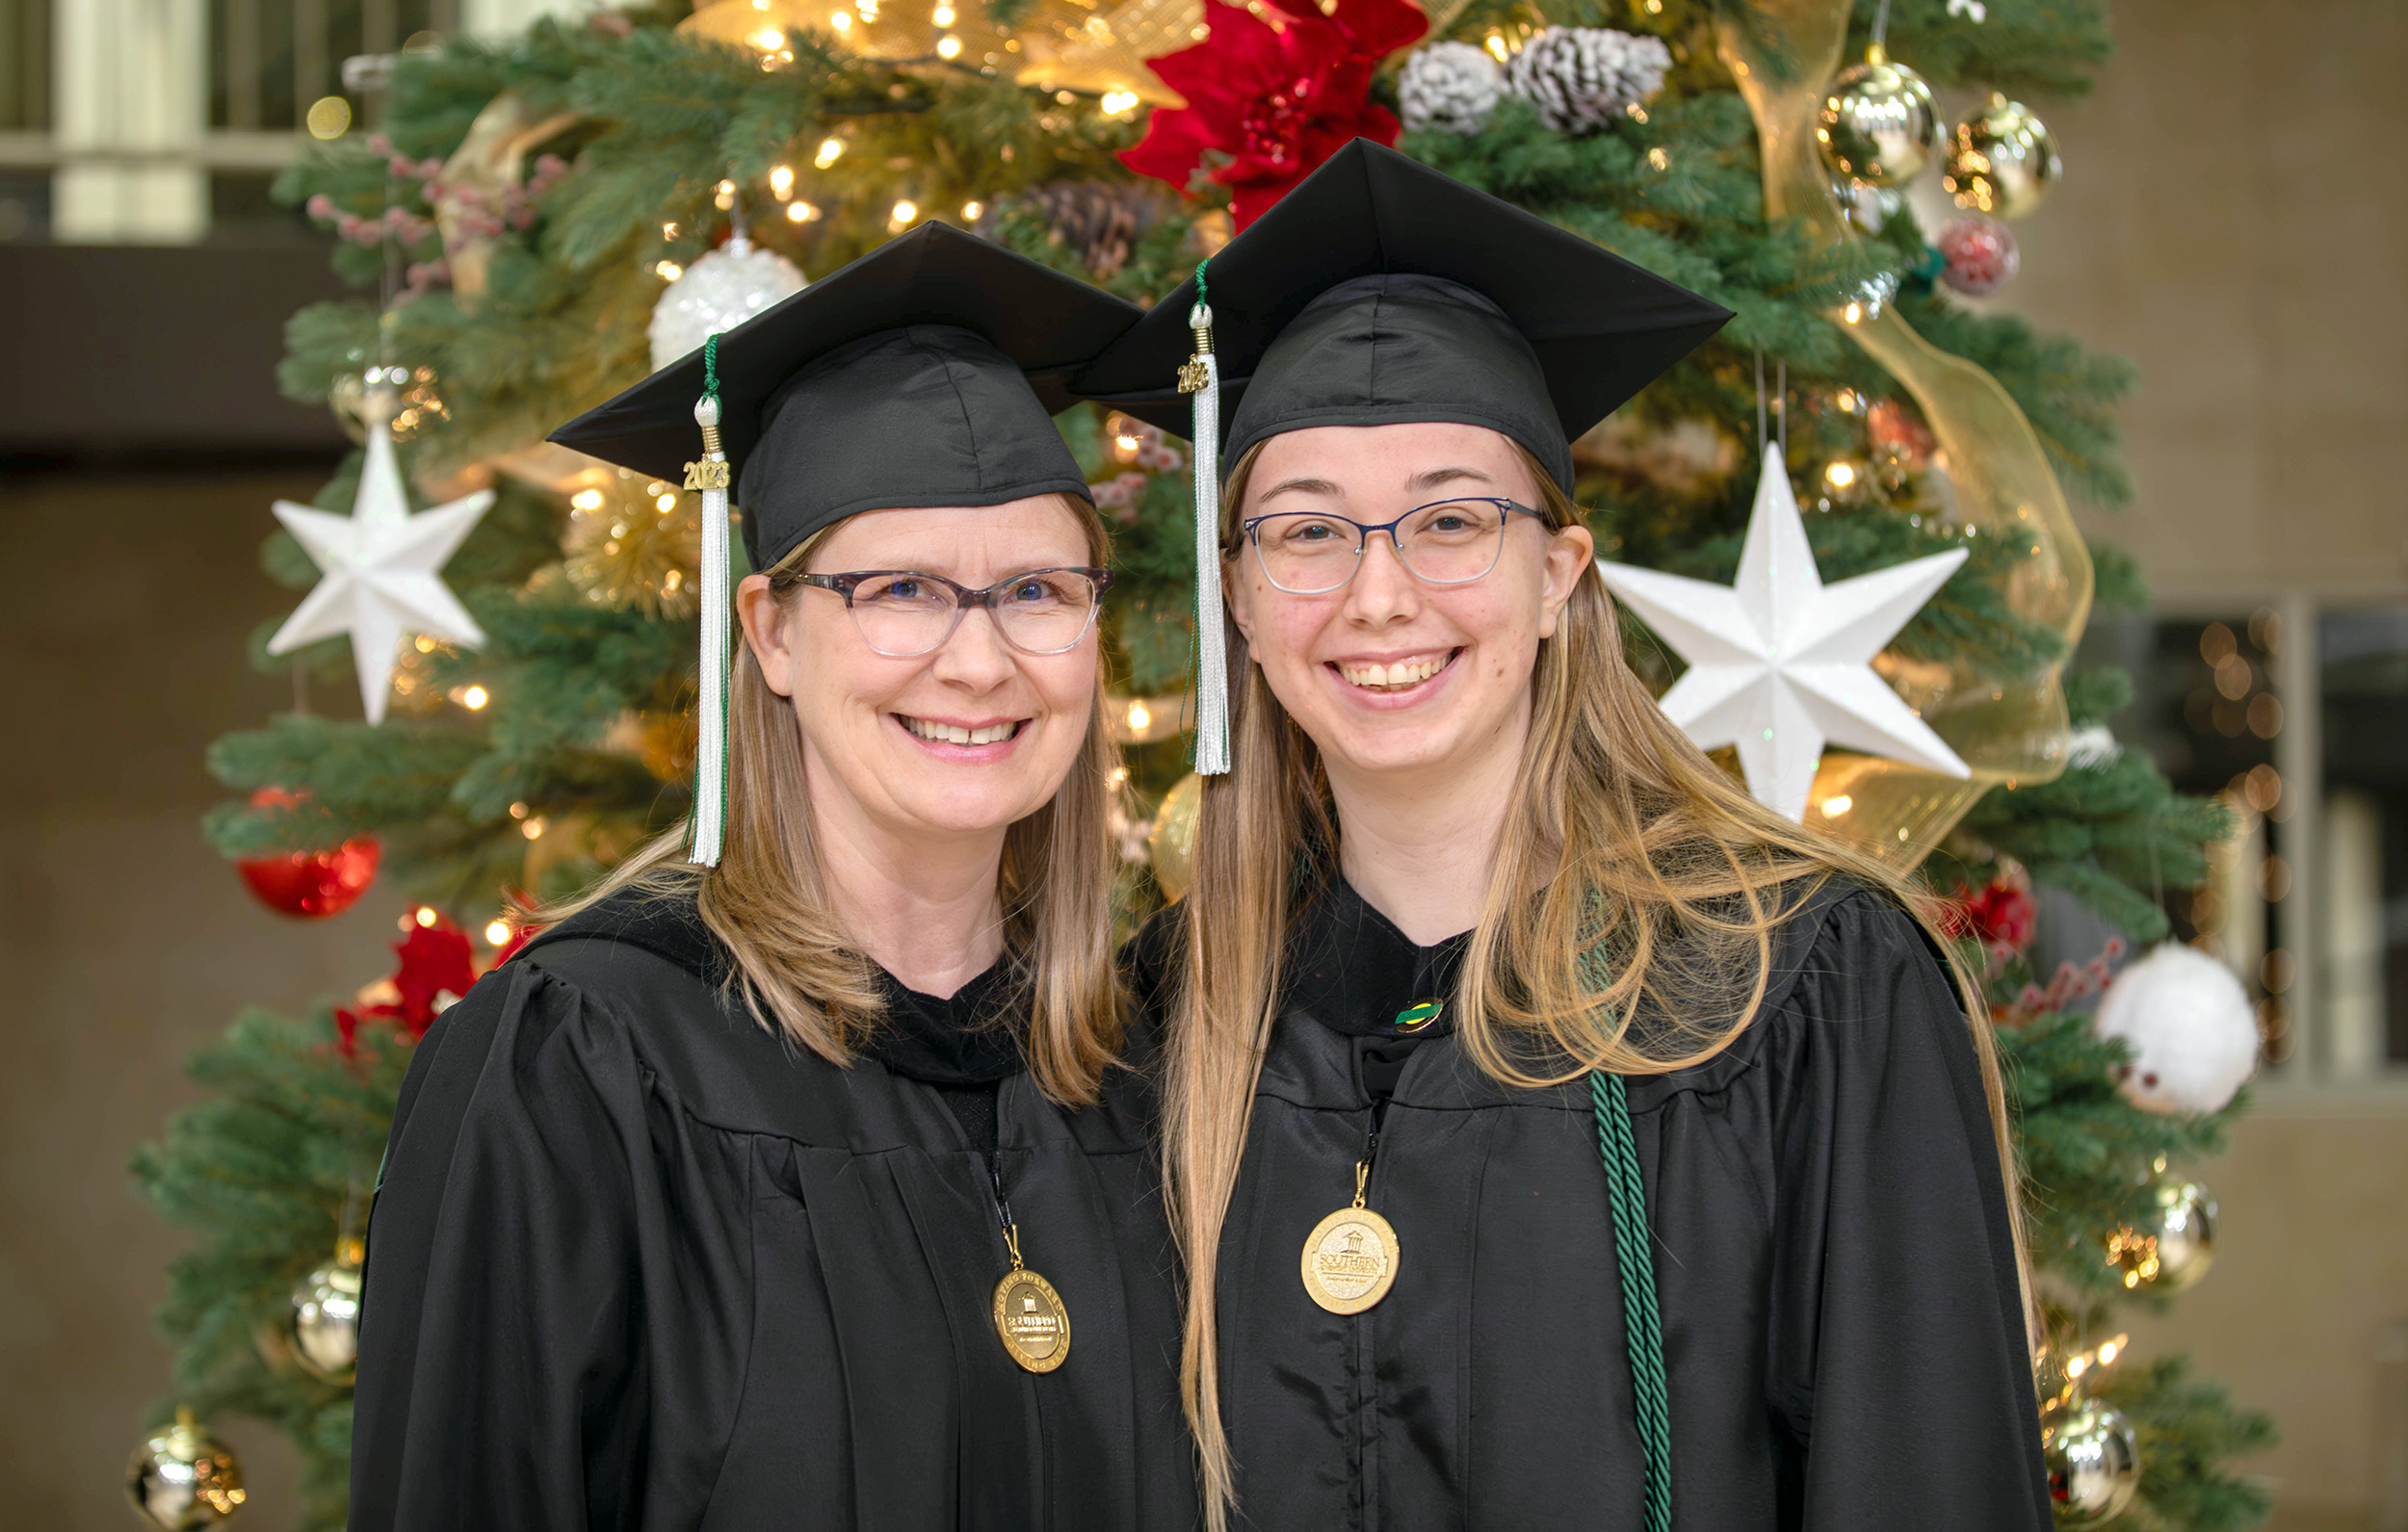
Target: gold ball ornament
<point>635,541</point>
<point>325,1318</point>
<point>2094,1461</point>
<point>402,397</point>
<point>2003,160</point>
<point>662,739</point>
<point>1171,844</point>
<point>183,1478</point>
<point>1879,125</point>
<point>2172,1248</point>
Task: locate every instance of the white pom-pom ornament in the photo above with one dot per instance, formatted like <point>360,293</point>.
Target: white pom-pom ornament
<point>718,292</point>
<point>2188,1025</point>
<point>1453,86</point>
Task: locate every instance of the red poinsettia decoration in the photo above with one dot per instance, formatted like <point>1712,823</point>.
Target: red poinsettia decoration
<point>1270,100</point>
<point>437,967</point>
<point>2002,915</point>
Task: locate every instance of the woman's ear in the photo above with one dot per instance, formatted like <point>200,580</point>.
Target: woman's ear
<point>1240,597</point>
<point>1569,550</point>
<point>764,619</point>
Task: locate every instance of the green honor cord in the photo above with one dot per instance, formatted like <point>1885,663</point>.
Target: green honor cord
<point>1641,1323</point>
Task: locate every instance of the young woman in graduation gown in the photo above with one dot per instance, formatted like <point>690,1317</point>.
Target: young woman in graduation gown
<point>1558,1138</point>
<point>802,1190</point>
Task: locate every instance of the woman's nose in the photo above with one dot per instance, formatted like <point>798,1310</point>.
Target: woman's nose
<point>1382,591</point>
<point>976,655</point>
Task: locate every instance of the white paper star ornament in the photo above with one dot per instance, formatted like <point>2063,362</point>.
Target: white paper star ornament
<point>1780,663</point>
<point>381,573</point>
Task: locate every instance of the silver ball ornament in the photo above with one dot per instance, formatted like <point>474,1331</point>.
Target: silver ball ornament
<point>183,1478</point>
<point>1880,124</point>
<point>2002,161</point>
<point>326,1319</point>
<point>719,291</point>
<point>2094,1461</point>
<point>2172,1248</point>
<point>1869,207</point>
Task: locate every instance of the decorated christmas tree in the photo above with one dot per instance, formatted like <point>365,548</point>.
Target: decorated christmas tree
<point>543,221</point>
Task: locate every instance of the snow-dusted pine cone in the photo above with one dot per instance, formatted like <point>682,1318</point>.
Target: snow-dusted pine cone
<point>1450,85</point>
<point>1098,220</point>
<point>1581,78</point>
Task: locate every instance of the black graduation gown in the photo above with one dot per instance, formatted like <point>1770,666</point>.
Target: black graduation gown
<point>1833,1257</point>
<point>636,1263</point>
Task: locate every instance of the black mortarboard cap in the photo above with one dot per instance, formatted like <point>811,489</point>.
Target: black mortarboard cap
<point>1381,291</point>
<point>924,374</point>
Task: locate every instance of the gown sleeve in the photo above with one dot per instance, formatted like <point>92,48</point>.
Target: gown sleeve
<point>1899,1362</point>
<point>502,1374</point>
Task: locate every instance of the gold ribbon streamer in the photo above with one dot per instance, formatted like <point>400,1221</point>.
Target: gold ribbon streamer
<point>2011,730</point>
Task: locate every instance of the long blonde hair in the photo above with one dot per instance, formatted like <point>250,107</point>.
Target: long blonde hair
<point>795,966</point>
<point>1658,879</point>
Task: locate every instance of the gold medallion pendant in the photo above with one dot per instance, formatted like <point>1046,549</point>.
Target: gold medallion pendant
<point>1350,1257</point>
<point>1030,1315</point>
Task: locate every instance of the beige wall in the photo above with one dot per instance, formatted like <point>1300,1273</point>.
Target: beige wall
<point>2235,218</point>
<point>125,942</point>
<point>2310,1275</point>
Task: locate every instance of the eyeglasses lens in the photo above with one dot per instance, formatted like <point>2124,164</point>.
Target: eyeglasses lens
<point>1044,612</point>
<point>1443,544</point>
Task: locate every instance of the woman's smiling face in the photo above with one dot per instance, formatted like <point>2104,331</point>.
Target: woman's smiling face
<point>966,739</point>
<point>1388,674</point>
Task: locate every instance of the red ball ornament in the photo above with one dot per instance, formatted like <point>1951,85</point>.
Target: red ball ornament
<point>1980,255</point>
<point>309,884</point>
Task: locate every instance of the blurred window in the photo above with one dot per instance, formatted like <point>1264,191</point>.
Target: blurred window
<point>2308,900</point>
<point>2362,669</point>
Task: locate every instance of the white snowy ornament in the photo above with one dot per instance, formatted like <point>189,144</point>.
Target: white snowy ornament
<point>1780,663</point>
<point>382,569</point>
<point>2187,1022</point>
<point>1581,78</point>
<point>718,292</point>
<point>1454,86</point>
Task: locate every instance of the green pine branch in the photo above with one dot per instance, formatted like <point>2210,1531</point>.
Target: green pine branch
<point>263,1174</point>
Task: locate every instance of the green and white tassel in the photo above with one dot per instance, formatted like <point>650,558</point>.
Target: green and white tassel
<point>1201,377</point>
<point>706,827</point>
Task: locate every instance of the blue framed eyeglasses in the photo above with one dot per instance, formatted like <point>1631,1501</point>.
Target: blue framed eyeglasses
<point>1449,542</point>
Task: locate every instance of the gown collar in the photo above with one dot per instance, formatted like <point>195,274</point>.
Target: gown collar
<point>968,1038</point>
<point>971,1038</point>
<point>1352,971</point>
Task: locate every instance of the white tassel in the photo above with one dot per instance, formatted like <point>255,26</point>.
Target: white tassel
<point>1212,657</point>
<point>707,825</point>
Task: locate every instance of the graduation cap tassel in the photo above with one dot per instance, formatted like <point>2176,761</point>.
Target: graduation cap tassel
<point>1201,377</point>
<point>707,825</point>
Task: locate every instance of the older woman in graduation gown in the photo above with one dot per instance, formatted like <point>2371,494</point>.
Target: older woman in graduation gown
<point>802,1189</point>
<point>1558,1138</point>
